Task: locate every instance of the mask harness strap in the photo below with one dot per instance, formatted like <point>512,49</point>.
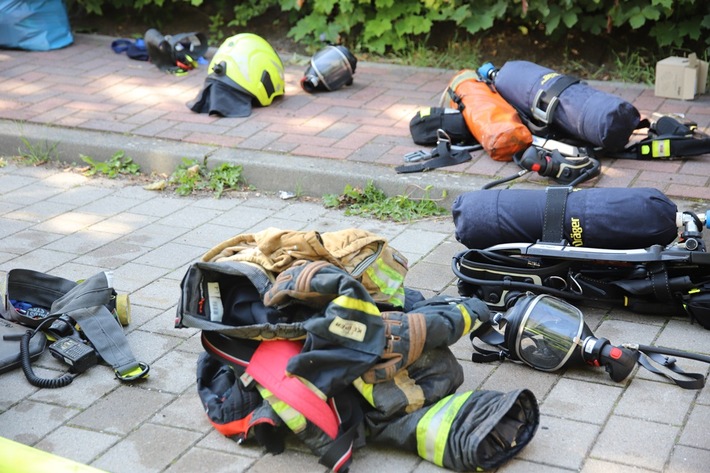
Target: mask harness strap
<point>665,365</point>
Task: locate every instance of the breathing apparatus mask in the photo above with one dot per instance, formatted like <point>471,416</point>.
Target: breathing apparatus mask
<point>330,69</point>
<point>549,334</point>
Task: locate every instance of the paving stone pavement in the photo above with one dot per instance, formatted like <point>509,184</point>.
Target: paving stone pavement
<point>73,226</point>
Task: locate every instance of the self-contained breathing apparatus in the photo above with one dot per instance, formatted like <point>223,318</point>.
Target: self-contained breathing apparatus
<point>669,277</point>
<point>551,105</point>
<point>549,334</point>
<point>572,125</point>
<point>629,248</point>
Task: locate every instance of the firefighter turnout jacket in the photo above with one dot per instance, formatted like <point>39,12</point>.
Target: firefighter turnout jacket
<point>305,347</point>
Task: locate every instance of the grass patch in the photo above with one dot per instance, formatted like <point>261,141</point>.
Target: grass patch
<point>37,153</point>
<point>454,55</point>
<point>117,164</point>
<point>634,67</point>
<point>191,177</point>
<point>372,202</point>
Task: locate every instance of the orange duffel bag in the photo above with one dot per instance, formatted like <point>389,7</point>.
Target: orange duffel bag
<point>492,121</point>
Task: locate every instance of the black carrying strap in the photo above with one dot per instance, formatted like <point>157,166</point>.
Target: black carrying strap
<point>546,101</point>
<point>553,230</point>
<point>85,304</point>
<point>670,370</point>
<point>338,455</point>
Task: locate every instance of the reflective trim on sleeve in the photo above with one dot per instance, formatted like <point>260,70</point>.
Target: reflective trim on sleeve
<point>293,419</point>
<point>351,303</point>
<point>466,318</point>
<point>366,390</point>
<point>433,429</point>
<point>388,281</point>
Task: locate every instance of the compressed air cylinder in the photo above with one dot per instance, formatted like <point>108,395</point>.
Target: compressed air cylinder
<point>585,113</point>
<point>492,121</point>
<point>612,218</point>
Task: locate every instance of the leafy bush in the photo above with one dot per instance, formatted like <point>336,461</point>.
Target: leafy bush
<point>382,26</point>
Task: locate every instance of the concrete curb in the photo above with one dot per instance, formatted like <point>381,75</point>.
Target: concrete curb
<point>267,172</point>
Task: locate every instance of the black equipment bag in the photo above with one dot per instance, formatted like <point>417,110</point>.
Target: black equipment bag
<point>426,123</point>
<point>560,103</point>
<point>614,218</point>
<point>667,138</point>
<point>655,281</point>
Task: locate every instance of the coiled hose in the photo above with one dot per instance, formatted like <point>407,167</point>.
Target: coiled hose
<point>35,380</point>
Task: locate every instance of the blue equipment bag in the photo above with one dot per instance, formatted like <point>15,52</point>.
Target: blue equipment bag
<point>614,218</point>
<point>34,25</point>
<point>565,104</point>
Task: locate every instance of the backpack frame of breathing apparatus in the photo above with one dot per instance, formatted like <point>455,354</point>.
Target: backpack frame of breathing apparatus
<point>667,280</point>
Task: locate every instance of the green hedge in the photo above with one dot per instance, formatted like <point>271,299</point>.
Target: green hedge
<point>381,26</point>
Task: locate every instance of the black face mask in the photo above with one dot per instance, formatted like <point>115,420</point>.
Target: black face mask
<point>549,334</point>
<point>330,69</point>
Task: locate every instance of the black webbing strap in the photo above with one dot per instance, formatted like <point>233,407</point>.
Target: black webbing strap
<point>553,226</point>
<point>667,138</point>
<point>445,156</point>
<point>492,338</point>
<point>659,281</point>
<point>546,101</point>
<point>671,371</point>
<point>456,98</point>
<point>671,146</point>
<point>338,455</point>
<point>85,304</point>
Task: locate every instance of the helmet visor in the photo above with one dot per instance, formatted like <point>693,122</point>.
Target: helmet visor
<point>331,67</point>
<point>548,333</point>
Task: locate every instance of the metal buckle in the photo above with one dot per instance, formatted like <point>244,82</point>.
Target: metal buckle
<point>545,116</point>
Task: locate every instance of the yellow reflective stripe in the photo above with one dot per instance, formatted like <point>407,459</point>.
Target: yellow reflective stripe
<point>382,271</point>
<point>466,318</point>
<point>433,429</point>
<point>293,419</point>
<point>357,304</point>
<point>366,390</point>
<point>388,280</point>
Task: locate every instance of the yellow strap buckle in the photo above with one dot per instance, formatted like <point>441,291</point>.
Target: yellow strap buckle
<point>140,371</point>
